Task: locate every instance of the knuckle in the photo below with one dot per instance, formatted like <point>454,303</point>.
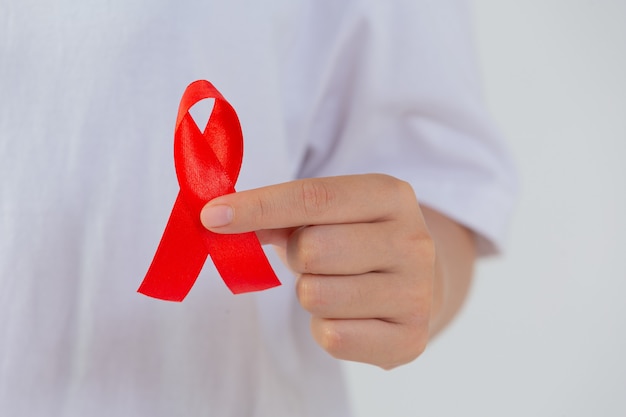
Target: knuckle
<point>309,291</point>
<point>409,302</point>
<point>426,249</point>
<point>396,196</point>
<point>418,329</point>
<point>420,241</point>
<point>331,338</point>
<point>263,210</point>
<point>405,189</point>
<point>316,197</point>
<point>405,196</point>
<point>304,250</point>
<point>414,246</point>
<point>409,349</point>
<point>417,343</point>
<point>384,179</point>
<point>394,186</point>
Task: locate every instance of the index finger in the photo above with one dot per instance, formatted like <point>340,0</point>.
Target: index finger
<point>330,200</point>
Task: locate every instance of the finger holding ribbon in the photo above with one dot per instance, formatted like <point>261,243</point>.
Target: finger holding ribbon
<point>363,255</point>
<point>207,165</point>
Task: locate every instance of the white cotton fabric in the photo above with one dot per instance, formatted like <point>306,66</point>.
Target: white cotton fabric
<point>89,92</point>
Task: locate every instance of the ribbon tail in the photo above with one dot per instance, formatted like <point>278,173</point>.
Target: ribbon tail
<point>241,262</point>
<point>179,258</point>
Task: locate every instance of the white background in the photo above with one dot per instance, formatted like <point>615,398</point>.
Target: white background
<point>543,333</point>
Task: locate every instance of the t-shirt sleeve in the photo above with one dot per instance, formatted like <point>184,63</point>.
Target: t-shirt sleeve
<point>393,88</point>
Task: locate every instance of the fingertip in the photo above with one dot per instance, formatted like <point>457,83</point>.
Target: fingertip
<point>215,216</point>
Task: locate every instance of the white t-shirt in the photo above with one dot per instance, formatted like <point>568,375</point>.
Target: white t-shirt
<point>89,92</point>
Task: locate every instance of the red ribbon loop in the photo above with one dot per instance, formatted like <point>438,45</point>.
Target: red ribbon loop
<point>207,166</point>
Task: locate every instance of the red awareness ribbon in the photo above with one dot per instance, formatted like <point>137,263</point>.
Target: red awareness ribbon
<point>207,166</point>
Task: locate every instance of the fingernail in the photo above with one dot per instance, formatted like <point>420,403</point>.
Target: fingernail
<point>216,216</point>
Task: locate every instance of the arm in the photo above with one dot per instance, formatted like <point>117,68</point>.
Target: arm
<point>455,255</point>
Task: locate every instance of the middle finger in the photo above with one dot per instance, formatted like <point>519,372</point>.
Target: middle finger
<point>351,249</point>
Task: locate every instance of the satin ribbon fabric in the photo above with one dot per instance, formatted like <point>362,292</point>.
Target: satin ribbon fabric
<point>207,166</point>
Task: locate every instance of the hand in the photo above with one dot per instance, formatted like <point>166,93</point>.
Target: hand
<point>364,258</point>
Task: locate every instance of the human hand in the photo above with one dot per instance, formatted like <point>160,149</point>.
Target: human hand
<point>364,258</point>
